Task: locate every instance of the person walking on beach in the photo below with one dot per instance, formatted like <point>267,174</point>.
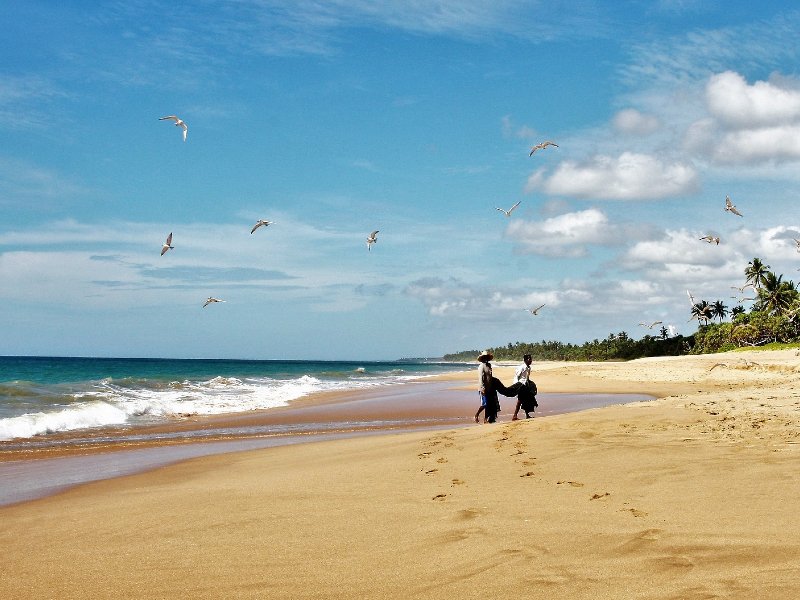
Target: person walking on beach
<point>526,395</point>
<point>486,389</point>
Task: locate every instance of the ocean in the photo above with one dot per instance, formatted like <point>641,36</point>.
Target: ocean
<point>41,396</point>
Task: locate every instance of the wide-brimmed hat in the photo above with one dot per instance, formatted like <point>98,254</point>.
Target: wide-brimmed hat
<point>486,354</point>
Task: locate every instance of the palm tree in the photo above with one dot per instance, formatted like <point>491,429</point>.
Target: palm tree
<point>737,310</point>
<point>664,332</point>
<point>756,272</point>
<point>719,310</point>
<point>776,295</point>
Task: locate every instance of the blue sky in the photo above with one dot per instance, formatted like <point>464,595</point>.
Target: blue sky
<point>333,119</point>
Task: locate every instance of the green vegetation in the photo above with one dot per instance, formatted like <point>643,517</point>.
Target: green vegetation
<point>771,322</point>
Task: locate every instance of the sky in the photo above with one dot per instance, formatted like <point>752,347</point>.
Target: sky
<point>414,118</point>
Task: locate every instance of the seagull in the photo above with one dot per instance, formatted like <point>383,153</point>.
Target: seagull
<point>730,207</point>
<point>542,146</point>
<point>510,210</point>
<point>743,288</point>
<point>653,324</point>
<point>706,312</point>
<point>260,223</point>
<point>211,301</point>
<point>797,243</point>
<point>178,123</point>
<point>691,298</point>
<point>373,238</point>
<point>710,239</point>
<point>535,311</point>
<point>167,245</point>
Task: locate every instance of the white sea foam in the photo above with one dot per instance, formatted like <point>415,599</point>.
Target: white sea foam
<point>108,403</point>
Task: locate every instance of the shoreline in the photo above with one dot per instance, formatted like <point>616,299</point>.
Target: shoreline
<point>691,495</point>
<point>66,460</point>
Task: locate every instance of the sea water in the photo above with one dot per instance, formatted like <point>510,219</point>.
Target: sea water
<point>47,395</point>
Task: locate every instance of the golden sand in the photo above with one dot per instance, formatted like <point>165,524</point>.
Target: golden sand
<point>694,495</point>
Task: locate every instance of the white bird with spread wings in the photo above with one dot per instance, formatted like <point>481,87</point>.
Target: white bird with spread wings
<point>211,300</point>
<point>730,207</point>
<point>542,146</point>
<point>510,210</point>
<point>178,123</point>
<point>260,223</point>
<point>535,311</point>
<point>167,245</point>
<point>372,239</point>
<point>651,325</point>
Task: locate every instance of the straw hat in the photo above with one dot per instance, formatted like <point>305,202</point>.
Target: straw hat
<point>486,354</point>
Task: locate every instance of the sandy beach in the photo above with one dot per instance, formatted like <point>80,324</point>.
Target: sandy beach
<point>692,495</point>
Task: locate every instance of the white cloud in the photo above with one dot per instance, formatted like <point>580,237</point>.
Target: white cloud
<point>780,143</point>
<point>454,298</point>
<point>565,235</point>
<point>633,122</point>
<point>629,176</point>
<point>747,125</point>
<point>737,104</point>
<point>682,248</point>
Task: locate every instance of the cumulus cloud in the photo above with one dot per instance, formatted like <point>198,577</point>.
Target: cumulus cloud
<point>778,143</point>
<point>682,248</point>
<point>632,122</point>
<point>747,124</point>
<point>740,105</point>
<point>566,235</point>
<point>629,176</point>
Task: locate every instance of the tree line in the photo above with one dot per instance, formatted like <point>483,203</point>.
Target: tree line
<point>772,318</point>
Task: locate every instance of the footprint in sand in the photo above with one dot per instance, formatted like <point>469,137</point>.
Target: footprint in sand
<point>458,482</point>
<point>635,512</point>
<point>528,474</point>
<point>572,483</point>
<point>431,471</point>
<point>441,460</point>
<point>599,496</point>
<point>467,514</point>
<point>439,497</point>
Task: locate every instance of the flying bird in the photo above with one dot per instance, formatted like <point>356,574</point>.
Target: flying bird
<point>743,288</point>
<point>510,210</point>
<point>178,123</point>
<point>535,311</point>
<point>260,223</point>
<point>710,239</point>
<point>797,243</point>
<point>167,245</point>
<point>211,301</point>
<point>651,325</point>
<point>542,146</point>
<point>729,206</point>
<point>691,298</point>
<point>372,239</point>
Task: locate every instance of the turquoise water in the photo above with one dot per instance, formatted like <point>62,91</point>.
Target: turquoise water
<point>45,395</point>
